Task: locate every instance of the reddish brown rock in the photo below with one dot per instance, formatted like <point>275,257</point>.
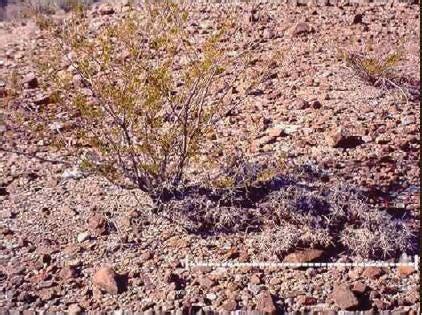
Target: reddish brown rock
<point>147,255</point>
<point>301,104</point>
<point>206,282</point>
<point>302,28</point>
<point>372,272</point>
<point>229,305</point>
<point>275,132</point>
<point>359,287</point>
<point>30,81</point>
<point>255,279</point>
<point>340,138</point>
<point>3,93</point>
<point>47,294</point>
<point>344,297</point>
<point>355,273</point>
<point>42,99</point>
<point>316,104</point>
<point>265,303</point>
<point>379,304</point>
<point>106,279</point>
<point>105,9</point>
<point>358,18</point>
<point>306,300</point>
<point>405,271</point>
<point>97,224</point>
<point>307,255</point>
<point>68,273</point>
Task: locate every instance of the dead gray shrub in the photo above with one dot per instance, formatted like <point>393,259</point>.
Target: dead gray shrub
<point>285,214</point>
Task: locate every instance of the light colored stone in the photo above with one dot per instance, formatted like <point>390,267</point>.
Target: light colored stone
<point>83,237</point>
<point>74,309</point>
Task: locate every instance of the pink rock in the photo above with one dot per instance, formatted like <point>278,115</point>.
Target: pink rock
<point>265,303</point>
<point>372,272</point>
<point>344,298</point>
<point>105,279</point>
<point>307,255</point>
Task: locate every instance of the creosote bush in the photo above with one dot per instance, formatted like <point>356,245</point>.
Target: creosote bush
<point>140,93</point>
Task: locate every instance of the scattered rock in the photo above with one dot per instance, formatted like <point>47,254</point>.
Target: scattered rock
<point>47,294</point>
<point>301,104</point>
<point>359,288</point>
<point>408,120</point>
<point>302,28</point>
<point>265,303</point>
<point>340,139</point>
<point>259,143</point>
<point>74,309</point>
<point>97,224</point>
<point>106,279</point>
<point>30,81</point>
<point>316,104</point>
<point>255,279</point>
<point>268,34</point>
<point>382,139</point>
<point>211,296</point>
<point>405,271</point>
<point>307,255</point>
<point>229,305</point>
<point>309,72</point>
<point>105,9</point>
<point>372,272</point>
<point>287,129</point>
<point>5,231</point>
<point>379,304</point>
<point>306,300</point>
<point>56,126</point>
<point>83,236</point>
<point>358,18</point>
<point>72,173</point>
<point>275,132</point>
<point>254,288</point>
<point>344,298</point>
<point>42,99</point>
<point>367,139</point>
<point>68,273</point>
<point>413,297</point>
<point>147,255</point>
<point>205,282</point>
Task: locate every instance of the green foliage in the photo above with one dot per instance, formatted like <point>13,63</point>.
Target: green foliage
<point>373,69</point>
<point>383,71</point>
<point>144,96</point>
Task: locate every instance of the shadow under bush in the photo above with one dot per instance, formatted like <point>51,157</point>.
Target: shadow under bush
<point>294,211</point>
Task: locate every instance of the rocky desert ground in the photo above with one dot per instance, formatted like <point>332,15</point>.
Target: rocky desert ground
<point>74,242</point>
